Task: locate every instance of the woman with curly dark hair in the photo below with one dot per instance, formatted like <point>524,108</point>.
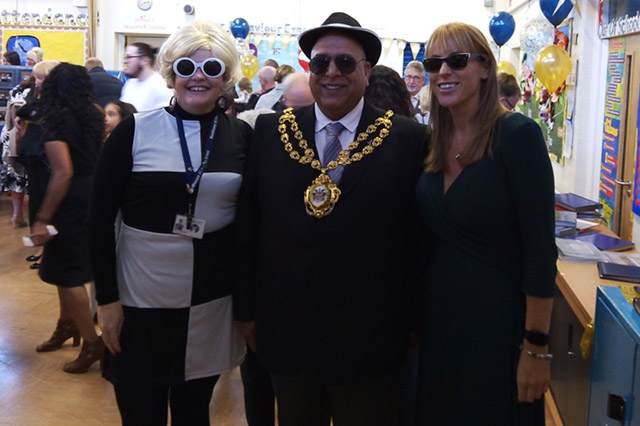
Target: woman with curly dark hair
<point>73,128</point>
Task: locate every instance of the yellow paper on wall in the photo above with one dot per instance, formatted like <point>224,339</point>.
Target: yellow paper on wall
<point>59,43</point>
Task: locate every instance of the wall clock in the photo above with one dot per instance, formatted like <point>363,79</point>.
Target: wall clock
<point>145,4</point>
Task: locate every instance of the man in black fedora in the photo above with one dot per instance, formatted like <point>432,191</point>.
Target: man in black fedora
<point>328,240</point>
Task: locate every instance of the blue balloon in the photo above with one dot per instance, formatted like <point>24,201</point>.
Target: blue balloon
<point>240,28</point>
<point>501,27</point>
<point>554,11</point>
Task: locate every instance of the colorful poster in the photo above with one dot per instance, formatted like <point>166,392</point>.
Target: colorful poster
<point>611,128</point>
<point>68,44</point>
<point>636,185</point>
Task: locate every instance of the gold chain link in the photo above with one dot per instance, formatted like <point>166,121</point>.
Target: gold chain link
<point>382,125</point>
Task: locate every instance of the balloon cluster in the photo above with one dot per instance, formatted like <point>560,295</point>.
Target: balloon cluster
<point>249,64</point>
<point>552,64</point>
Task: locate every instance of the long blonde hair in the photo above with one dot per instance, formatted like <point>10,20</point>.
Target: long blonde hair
<point>460,37</point>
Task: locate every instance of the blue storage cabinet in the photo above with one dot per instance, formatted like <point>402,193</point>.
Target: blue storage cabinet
<point>615,368</point>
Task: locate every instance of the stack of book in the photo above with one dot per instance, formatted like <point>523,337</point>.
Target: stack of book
<point>619,272</point>
<point>606,242</point>
<point>566,223</point>
<point>584,207</point>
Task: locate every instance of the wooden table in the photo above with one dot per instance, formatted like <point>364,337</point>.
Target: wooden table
<point>579,282</point>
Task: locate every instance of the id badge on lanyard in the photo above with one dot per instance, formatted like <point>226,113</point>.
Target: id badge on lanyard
<point>187,224</point>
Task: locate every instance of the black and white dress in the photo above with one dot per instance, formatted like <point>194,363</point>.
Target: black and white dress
<point>12,174</point>
<point>175,290</point>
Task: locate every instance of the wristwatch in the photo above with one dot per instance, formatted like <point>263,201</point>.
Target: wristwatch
<point>536,337</point>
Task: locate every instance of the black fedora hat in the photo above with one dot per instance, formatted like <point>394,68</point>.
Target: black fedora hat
<point>340,21</point>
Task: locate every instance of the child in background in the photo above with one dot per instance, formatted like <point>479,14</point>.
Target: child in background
<point>114,112</point>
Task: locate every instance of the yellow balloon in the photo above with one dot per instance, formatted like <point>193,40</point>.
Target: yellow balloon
<point>507,67</point>
<point>249,65</point>
<point>552,66</point>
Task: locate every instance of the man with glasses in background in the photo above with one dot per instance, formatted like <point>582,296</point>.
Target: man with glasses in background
<point>328,231</point>
<point>414,78</point>
<point>145,88</point>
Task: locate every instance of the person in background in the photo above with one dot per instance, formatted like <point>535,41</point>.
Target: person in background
<point>387,90</point>
<point>295,92</point>
<point>245,87</point>
<point>114,113</point>
<point>509,91</point>
<point>11,58</point>
<point>424,105</point>
<point>145,88</point>
<point>271,63</point>
<point>72,133</point>
<point>487,195</point>
<point>267,78</point>
<point>13,178</point>
<point>164,281</point>
<point>327,304</point>
<point>414,78</point>
<point>34,56</point>
<point>268,100</point>
<point>30,149</point>
<point>106,87</point>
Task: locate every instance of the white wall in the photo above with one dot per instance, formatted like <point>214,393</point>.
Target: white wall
<point>41,6</point>
<point>580,172</point>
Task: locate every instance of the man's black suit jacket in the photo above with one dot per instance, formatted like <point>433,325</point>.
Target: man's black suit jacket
<point>106,87</point>
<point>337,291</point>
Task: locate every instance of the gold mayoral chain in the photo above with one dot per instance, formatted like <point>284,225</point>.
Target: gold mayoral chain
<point>322,195</point>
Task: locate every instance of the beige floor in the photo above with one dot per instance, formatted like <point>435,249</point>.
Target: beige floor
<point>34,391</point>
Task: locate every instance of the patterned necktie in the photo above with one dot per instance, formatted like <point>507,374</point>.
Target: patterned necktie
<point>332,149</point>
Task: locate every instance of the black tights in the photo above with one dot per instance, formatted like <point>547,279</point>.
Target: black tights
<point>147,405</point>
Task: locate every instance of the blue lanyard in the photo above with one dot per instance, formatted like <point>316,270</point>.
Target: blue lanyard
<point>194,176</point>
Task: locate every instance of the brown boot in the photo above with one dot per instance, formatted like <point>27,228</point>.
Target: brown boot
<point>90,353</point>
<point>64,331</point>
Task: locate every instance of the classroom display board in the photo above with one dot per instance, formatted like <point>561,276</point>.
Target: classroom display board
<point>64,43</point>
<point>547,109</point>
<point>611,127</point>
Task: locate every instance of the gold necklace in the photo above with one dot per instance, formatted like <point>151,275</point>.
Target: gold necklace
<point>322,195</point>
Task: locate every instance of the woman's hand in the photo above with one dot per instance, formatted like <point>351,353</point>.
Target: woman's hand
<point>533,376</point>
<point>40,234</point>
<point>110,319</point>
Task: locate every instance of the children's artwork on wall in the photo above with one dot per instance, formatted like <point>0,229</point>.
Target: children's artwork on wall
<point>66,44</point>
<point>547,109</point>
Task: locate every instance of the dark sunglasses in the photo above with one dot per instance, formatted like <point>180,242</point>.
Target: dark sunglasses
<point>186,67</point>
<point>457,61</point>
<point>319,64</point>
